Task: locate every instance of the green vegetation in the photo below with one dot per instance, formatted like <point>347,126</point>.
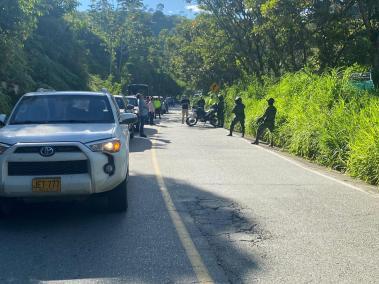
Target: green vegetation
<point>323,118</point>
<point>269,38</point>
<point>298,51</point>
<point>49,44</point>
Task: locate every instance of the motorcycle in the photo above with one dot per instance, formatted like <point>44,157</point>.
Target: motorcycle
<point>198,114</point>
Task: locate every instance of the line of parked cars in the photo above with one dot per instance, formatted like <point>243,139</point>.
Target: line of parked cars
<point>129,104</point>
<point>66,145</point>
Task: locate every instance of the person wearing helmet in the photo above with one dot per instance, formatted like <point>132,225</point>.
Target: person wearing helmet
<point>267,121</point>
<point>201,106</point>
<point>201,103</point>
<point>239,116</point>
<point>220,111</point>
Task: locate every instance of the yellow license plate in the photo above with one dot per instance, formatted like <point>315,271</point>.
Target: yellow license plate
<point>46,185</point>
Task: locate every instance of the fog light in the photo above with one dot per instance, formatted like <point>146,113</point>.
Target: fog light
<point>109,169</point>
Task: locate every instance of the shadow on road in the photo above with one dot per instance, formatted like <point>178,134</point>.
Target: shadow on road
<point>71,242</point>
<point>227,227</point>
<point>138,144</point>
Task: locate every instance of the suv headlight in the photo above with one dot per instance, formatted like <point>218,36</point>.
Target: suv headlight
<point>3,148</point>
<point>109,146</point>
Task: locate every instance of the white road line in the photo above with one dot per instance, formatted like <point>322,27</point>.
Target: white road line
<point>315,171</point>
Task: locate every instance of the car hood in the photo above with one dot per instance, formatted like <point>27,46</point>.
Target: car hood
<point>39,133</point>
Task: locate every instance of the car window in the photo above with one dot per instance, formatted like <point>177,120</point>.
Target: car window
<point>113,100</point>
<point>120,102</point>
<point>63,109</point>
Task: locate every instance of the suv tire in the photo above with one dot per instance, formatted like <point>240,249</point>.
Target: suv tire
<point>118,198</point>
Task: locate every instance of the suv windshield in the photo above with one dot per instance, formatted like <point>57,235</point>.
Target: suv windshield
<point>44,109</point>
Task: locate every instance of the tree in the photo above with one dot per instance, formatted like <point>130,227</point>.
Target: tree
<point>200,54</point>
<point>369,11</point>
<point>276,36</point>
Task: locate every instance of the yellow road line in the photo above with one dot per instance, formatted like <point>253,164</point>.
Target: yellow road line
<point>197,263</point>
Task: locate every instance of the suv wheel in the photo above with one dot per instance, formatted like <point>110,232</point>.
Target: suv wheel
<point>118,198</point>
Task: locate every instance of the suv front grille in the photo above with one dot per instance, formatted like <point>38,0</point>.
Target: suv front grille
<point>57,149</point>
<point>47,168</point>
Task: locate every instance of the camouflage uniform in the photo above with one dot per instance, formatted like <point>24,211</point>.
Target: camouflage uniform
<point>239,112</point>
<point>267,122</point>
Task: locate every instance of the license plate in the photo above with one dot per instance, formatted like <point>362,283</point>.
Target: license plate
<point>46,185</point>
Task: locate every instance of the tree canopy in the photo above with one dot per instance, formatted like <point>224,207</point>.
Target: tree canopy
<point>49,43</point>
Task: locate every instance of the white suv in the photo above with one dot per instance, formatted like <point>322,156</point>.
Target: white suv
<point>56,145</point>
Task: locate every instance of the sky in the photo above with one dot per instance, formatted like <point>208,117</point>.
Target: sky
<point>179,7</point>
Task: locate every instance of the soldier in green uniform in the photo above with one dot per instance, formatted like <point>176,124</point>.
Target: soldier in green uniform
<point>239,112</point>
<point>220,111</point>
<point>267,121</point>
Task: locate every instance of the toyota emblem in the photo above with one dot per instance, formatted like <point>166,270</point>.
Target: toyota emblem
<point>47,151</point>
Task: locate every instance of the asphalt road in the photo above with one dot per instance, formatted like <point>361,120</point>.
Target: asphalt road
<point>248,214</point>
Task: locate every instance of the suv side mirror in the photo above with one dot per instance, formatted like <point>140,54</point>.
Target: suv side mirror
<point>128,118</point>
<point>3,119</point>
<point>130,107</point>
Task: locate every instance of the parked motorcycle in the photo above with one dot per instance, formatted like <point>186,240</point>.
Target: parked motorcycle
<point>198,114</point>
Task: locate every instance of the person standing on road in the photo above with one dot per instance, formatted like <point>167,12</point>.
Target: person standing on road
<point>239,112</point>
<point>143,113</point>
<point>220,111</point>
<point>267,121</point>
<point>150,105</point>
<point>185,106</point>
<point>157,106</point>
<point>166,104</point>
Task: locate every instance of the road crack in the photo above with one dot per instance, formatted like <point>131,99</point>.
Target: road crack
<point>226,227</point>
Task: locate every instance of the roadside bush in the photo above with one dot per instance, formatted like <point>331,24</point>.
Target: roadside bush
<point>363,161</point>
<point>322,118</point>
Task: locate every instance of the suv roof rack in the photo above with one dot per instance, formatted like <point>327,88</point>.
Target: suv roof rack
<point>105,91</point>
<point>41,90</point>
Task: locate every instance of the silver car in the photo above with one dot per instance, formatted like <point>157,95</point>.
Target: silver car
<point>57,145</point>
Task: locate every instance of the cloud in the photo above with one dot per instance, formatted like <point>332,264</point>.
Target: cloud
<point>194,8</point>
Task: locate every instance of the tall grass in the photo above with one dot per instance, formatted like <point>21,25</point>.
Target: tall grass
<point>320,117</point>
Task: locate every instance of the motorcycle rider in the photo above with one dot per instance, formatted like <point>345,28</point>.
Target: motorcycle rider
<point>267,121</point>
<point>220,110</point>
<point>239,112</point>
<point>201,106</point>
<point>201,103</point>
